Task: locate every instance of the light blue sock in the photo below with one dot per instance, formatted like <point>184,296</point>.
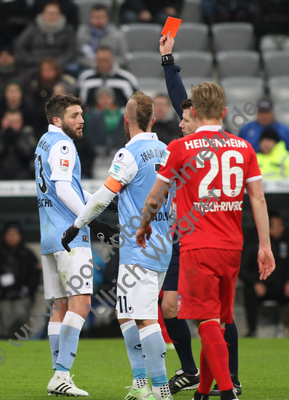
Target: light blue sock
<point>134,349</point>
<point>154,351</point>
<point>53,335</point>
<point>68,340</point>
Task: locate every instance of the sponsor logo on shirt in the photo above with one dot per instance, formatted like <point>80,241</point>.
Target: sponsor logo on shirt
<point>64,165</point>
<point>165,158</point>
<point>179,302</point>
<point>85,238</point>
<point>64,149</point>
<point>120,156</point>
<point>116,170</point>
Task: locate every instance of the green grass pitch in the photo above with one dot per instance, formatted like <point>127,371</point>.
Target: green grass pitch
<point>102,368</point>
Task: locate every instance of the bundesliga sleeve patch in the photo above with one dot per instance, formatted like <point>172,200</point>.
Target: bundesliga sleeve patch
<point>64,165</point>
<point>116,170</point>
<point>165,158</point>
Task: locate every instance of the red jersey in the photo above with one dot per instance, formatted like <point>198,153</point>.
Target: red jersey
<point>210,168</point>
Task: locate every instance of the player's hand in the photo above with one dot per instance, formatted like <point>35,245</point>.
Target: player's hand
<point>142,235</point>
<point>68,236</point>
<point>113,207</point>
<point>103,231</point>
<point>166,44</point>
<point>266,263</point>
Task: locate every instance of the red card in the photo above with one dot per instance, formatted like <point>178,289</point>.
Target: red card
<point>172,25</point>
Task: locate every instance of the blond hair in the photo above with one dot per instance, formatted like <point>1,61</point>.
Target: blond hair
<point>144,110</point>
<point>209,100</point>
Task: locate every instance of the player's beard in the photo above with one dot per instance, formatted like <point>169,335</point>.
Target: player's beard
<point>72,133</point>
<point>126,131</point>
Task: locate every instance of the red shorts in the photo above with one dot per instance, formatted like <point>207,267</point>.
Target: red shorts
<point>207,281</point>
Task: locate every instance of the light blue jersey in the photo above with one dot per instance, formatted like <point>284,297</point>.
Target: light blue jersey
<point>56,159</point>
<point>136,166</point>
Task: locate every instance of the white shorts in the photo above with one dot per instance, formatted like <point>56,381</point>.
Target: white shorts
<point>138,291</point>
<point>67,274</point>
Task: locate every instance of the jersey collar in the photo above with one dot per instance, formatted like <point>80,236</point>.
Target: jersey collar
<point>212,128</point>
<point>143,136</point>
<point>53,128</point>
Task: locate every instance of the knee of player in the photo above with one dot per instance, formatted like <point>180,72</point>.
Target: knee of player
<point>169,309</point>
<point>80,305</point>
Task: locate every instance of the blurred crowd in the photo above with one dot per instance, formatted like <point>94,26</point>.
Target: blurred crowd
<point>46,48</point>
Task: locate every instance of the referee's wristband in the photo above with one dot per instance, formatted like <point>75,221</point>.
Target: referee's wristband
<point>168,59</point>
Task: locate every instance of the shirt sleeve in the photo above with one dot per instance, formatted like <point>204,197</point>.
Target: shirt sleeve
<point>175,86</point>
<point>124,167</point>
<point>87,196</point>
<point>95,206</point>
<point>62,160</point>
<point>171,161</point>
<point>68,196</point>
<point>254,173</point>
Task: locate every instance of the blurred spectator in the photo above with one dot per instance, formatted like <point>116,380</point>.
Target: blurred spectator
<point>8,68</point>
<point>276,286</point>
<point>59,88</point>
<point>98,33</point>
<point>272,24</point>
<point>87,155</point>
<point>14,16</point>
<point>104,123</point>
<point>13,100</point>
<point>216,11</point>
<point>49,35</point>
<point>106,73</point>
<point>273,159</point>
<point>19,278</point>
<point>17,145</point>
<point>149,10</point>
<point>41,86</point>
<point>67,7</point>
<point>265,119</point>
<point>166,125</point>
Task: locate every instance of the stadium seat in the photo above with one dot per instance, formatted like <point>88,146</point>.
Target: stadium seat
<point>194,63</point>
<point>276,63</point>
<point>85,6</point>
<point>191,11</point>
<point>152,86</point>
<point>145,64</point>
<point>243,89</point>
<point>195,80</point>
<point>142,37</point>
<point>233,36</point>
<point>192,36</point>
<point>279,89</point>
<point>237,117</point>
<point>282,113</point>
<point>238,63</point>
